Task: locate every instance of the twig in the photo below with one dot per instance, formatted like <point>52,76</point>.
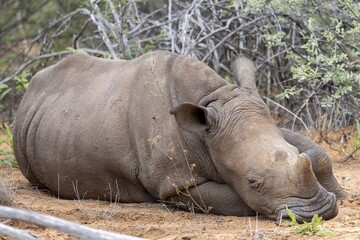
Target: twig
<point>99,23</point>
<point>146,19</point>
<point>76,38</point>
<point>232,33</point>
<point>23,66</point>
<point>170,26</point>
<point>83,11</point>
<point>349,155</point>
<point>287,110</point>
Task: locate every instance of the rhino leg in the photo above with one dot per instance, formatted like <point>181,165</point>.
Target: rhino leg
<point>219,198</point>
<point>321,162</point>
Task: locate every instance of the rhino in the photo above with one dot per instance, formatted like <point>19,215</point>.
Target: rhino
<point>165,127</point>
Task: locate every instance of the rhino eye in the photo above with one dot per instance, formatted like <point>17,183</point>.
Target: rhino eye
<point>254,183</point>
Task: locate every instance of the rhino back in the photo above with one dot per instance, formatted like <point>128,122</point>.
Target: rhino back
<point>103,128</point>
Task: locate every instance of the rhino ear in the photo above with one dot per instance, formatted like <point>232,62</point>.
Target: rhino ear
<point>192,118</point>
<point>244,71</point>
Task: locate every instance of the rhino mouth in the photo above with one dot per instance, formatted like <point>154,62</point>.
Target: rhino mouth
<point>323,204</point>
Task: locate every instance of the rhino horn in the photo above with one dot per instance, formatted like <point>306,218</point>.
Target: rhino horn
<point>304,166</point>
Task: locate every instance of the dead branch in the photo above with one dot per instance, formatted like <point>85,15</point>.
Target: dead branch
<point>72,228</point>
<point>15,233</point>
<point>76,38</point>
<point>349,155</point>
<point>287,110</point>
<point>212,31</point>
<point>100,22</point>
<point>232,33</point>
<point>31,61</point>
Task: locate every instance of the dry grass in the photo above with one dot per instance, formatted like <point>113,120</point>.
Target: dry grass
<point>102,210</point>
<point>7,191</point>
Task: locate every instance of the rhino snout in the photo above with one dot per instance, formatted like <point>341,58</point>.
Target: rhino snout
<point>323,204</point>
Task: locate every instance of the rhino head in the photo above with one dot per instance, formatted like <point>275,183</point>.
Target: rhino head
<point>251,155</point>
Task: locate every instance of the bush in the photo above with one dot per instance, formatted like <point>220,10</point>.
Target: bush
<point>307,52</point>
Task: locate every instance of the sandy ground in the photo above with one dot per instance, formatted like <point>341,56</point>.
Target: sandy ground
<point>156,221</point>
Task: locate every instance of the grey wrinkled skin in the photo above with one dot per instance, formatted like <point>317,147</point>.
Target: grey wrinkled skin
<point>161,127</point>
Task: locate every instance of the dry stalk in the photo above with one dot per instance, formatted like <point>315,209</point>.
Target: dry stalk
<point>349,155</point>
<point>287,110</point>
<point>98,212</point>
<point>7,191</point>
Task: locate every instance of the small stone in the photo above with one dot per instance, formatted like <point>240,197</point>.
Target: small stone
<point>345,178</point>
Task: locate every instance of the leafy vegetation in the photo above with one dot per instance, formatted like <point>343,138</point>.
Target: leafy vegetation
<point>308,228</point>
<point>4,91</point>
<point>307,52</point>
<point>6,148</point>
<point>20,83</point>
<point>356,139</point>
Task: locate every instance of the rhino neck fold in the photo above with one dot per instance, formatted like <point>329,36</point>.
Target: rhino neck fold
<point>224,94</point>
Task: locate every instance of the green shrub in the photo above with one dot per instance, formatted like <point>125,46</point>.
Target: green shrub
<point>318,42</point>
<point>6,148</point>
<point>356,139</point>
<point>308,228</point>
<point>20,83</point>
